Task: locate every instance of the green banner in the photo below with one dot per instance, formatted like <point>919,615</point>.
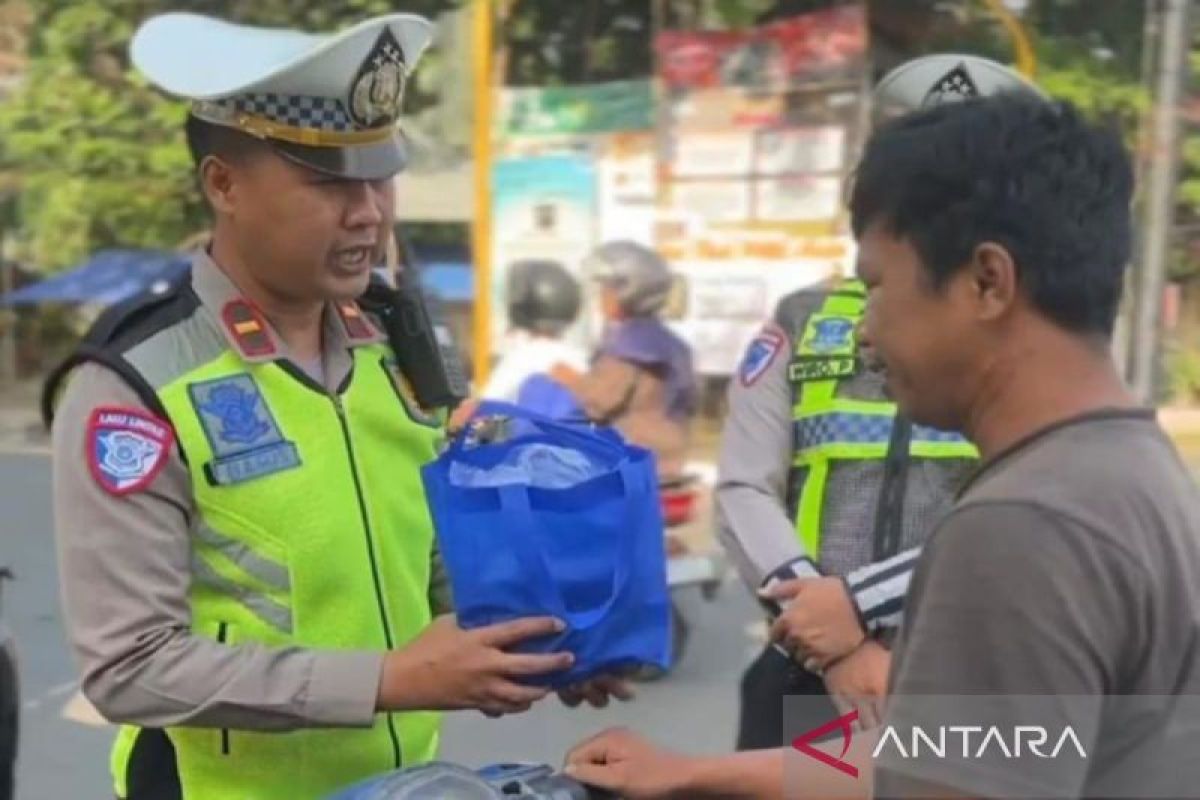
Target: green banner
<point>589,108</point>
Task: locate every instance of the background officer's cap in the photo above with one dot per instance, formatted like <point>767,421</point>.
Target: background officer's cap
<point>328,101</point>
<point>942,78</point>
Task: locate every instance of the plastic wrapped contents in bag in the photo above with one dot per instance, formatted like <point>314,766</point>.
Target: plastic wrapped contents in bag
<point>539,464</point>
<point>564,521</point>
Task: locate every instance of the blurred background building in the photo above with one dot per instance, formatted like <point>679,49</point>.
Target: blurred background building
<point>722,132</point>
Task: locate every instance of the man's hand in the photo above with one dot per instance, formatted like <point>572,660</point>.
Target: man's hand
<point>628,766</point>
<point>819,623</point>
<point>447,668</point>
<point>597,691</point>
<point>860,681</point>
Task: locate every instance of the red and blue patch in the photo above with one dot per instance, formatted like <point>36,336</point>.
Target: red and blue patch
<point>761,353</point>
<point>127,448</point>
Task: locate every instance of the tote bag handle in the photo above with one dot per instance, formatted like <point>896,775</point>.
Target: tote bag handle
<point>515,500</point>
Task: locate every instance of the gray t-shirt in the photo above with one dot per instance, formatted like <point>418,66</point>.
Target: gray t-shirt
<point>1065,586</point>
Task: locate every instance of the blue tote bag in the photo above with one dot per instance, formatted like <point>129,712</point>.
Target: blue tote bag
<point>574,531</point>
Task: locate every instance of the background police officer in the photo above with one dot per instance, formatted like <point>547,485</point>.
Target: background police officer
<point>823,493</point>
<point>243,536</point>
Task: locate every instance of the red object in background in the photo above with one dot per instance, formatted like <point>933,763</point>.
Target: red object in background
<point>772,56</point>
<point>678,503</point>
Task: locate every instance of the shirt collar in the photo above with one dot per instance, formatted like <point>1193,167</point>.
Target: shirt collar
<point>249,332</point>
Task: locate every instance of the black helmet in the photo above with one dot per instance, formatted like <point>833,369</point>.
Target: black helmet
<point>542,296</point>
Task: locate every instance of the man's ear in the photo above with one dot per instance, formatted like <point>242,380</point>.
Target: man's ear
<point>993,280</point>
<point>219,184</point>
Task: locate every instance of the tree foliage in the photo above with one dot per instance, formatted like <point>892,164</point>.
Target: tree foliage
<point>94,157</point>
<point>98,155</point>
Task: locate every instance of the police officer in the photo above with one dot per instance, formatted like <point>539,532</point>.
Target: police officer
<point>246,556</point>
<point>824,494</point>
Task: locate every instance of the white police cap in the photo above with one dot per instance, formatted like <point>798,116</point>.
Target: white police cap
<point>946,77</point>
<point>328,101</point>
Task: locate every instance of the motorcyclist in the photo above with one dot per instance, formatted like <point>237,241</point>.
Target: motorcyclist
<point>641,378</point>
<point>543,302</point>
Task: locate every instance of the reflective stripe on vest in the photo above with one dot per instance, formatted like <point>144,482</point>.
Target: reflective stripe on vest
<point>827,427</point>
<point>312,532</point>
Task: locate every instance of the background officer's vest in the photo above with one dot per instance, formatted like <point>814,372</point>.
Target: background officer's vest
<point>312,531</point>
<point>829,426</point>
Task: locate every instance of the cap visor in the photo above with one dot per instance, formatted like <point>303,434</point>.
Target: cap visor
<point>363,162</point>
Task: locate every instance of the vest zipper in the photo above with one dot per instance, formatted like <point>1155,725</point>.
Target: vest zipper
<point>222,635</point>
<point>366,525</point>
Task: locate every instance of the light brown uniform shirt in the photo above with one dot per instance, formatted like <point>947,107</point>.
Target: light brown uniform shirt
<point>124,566</point>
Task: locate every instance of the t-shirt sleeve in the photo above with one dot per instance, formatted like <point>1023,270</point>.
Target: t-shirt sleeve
<point>1020,618</point>
<point>506,378</point>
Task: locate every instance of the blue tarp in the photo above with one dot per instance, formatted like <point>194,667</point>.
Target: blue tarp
<point>446,272</point>
<point>107,277</point>
<point>110,276</point>
<point>450,283</point>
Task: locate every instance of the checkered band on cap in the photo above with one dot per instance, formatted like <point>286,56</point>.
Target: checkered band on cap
<point>298,111</point>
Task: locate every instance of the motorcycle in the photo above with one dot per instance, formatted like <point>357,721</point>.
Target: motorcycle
<point>440,780</point>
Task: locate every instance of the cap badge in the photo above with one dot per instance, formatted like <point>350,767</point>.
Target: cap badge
<point>956,84</point>
<point>378,88</point>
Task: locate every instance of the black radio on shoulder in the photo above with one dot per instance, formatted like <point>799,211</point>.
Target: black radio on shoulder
<point>423,344</point>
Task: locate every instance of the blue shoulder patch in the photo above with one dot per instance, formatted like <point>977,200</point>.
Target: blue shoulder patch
<point>245,439</point>
<point>761,353</point>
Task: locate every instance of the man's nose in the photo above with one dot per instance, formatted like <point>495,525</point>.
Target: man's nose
<point>366,206</point>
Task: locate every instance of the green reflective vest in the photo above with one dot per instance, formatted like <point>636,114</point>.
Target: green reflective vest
<point>312,531</point>
<point>828,428</point>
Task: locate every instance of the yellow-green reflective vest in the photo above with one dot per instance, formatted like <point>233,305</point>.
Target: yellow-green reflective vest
<point>312,531</point>
<point>828,428</point>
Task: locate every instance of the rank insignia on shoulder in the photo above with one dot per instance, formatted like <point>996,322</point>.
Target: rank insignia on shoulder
<point>761,353</point>
<point>431,418</point>
<point>127,448</point>
<point>247,329</point>
<point>358,327</point>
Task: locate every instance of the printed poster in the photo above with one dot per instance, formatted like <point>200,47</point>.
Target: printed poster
<point>626,188</point>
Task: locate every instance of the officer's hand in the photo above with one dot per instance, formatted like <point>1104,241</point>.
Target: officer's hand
<point>628,766</point>
<point>462,415</point>
<point>448,668</point>
<point>819,623</point>
<point>860,681</point>
<point>597,691</point>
